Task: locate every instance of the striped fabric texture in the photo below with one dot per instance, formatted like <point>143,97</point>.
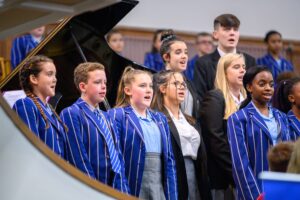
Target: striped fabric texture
<point>250,140</point>
<point>54,136</point>
<point>294,125</point>
<point>134,151</point>
<point>90,140</point>
<point>20,48</point>
<point>276,69</point>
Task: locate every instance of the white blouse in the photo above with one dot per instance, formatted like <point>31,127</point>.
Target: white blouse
<point>189,136</point>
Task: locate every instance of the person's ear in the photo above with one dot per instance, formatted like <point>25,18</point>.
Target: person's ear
<point>166,57</point>
<point>82,87</point>
<point>127,91</point>
<point>162,89</point>
<point>215,34</point>
<point>33,79</point>
<point>249,88</point>
<point>291,98</point>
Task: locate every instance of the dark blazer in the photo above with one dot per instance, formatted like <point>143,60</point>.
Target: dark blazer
<point>214,131</point>
<point>205,71</point>
<point>200,164</point>
<point>196,101</point>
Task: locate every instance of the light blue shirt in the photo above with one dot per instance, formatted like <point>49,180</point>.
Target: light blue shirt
<point>151,132</point>
<point>271,124</point>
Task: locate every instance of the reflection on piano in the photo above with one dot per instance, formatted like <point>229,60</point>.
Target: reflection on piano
<point>76,40</point>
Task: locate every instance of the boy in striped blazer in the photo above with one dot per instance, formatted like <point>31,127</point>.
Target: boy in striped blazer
<point>92,145</point>
<point>253,130</point>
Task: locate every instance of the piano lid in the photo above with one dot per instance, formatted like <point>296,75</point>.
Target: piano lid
<point>19,16</point>
<point>88,32</point>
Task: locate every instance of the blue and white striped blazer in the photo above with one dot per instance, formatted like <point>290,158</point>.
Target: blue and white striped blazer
<point>86,146</point>
<point>21,46</point>
<point>54,136</point>
<point>250,140</point>
<point>272,64</point>
<point>134,150</point>
<point>294,125</point>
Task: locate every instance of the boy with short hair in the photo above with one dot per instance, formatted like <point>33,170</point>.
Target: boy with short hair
<point>226,32</point>
<point>92,144</point>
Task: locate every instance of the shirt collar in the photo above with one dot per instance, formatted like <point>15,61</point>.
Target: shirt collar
<point>263,116</point>
<point>222,53</point>
<point>148,115</point>
<point>173,117</point>
<point>236,100</point>
<point>92,108</point>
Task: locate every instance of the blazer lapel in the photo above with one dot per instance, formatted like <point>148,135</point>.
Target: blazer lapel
<point>133,119</point>
<point>295,122</point>
<point>49,117</point>
<point>215,57</point>
<point>258,120</point>
<point>173,129</point>
<point>87,111</point>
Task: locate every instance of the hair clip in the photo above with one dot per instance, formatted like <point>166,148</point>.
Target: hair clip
<point>168,38</point>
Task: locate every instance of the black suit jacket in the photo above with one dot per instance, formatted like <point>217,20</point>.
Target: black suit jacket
<point>214,131</point>
<point>200,164</point>
<point>205,71</point>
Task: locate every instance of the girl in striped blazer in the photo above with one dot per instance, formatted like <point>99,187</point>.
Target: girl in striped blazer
<point>144,139</point>
<point>91,140</point>
<point>253,130</point>
<point>287,100</point>
<point>38,80</point>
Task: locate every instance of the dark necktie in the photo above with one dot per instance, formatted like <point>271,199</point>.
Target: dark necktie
<point>113,154</point>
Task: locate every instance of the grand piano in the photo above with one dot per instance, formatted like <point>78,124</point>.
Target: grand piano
<point>79,39</point>
<point>29,170</point>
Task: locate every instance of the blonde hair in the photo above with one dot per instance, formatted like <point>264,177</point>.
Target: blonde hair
<point>221,82</point>
<point>82,70</point>
<point>127,78</point>
<point>294,164</point>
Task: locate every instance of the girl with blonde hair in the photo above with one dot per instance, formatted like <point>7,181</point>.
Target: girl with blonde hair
<point>217,106</point>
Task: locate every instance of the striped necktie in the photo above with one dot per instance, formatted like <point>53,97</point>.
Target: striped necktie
<point>113,154</point>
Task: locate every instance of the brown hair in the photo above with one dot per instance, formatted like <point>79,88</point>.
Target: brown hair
<point>33,66</point>
<point>226,20</point>
<point>112,32</point>
<point>127,78</point>
<point>161,79</point>
<point>279,156</point>
<point>168,38</point>
<point>82,70</point>
<point>294,164</point>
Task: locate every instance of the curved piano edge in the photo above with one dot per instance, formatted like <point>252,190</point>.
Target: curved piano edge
<point>19,146</point>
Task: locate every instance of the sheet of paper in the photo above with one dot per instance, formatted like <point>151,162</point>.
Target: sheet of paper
<point>12,96</point>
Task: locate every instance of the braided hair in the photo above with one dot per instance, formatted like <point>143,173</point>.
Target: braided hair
<point>33,66</point>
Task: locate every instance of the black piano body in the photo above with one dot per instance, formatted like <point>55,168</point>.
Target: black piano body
<point>79,39</point>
